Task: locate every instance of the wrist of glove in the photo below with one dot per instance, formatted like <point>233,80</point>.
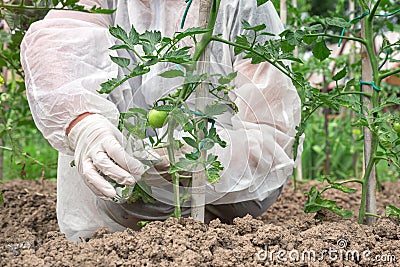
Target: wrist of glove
<point>99,147</point>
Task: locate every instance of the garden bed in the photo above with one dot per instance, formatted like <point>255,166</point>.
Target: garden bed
<point>29,236</point>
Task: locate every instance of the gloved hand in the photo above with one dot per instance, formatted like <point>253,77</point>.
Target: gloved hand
<point>158,174</point>
<point>98,147</point>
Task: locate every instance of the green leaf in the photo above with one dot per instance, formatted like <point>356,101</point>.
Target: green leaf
<point>193,156</point>
<point>207,144</point>
<point>178,56</point>
<point>314,28</point>
<point>315,203</point>
<point>165,41</point>
<point>181,117</point>
<point>69,2</point>
<point>148,48</point>
<point>393,99</point>
<point>345,214</point>
<point>121,61</point>
<point>191,32</point>
<point>212,134</point>
<point>228,78</point>
<point>286,47</point>
<point>392,211</point>
<point>241,40</point>
<point>212,172</point>
<point>261,2</point>
<point>115,47</point>
<point>133,37</point>
<point>142,224</point>
<point>351,83</point>
<point>137,130</point>
<point>256,58</point>
<point>338,22</point>
<point>211,158</point>
<point>192,78</point>
<point>294,38</point>
<point>153,37</point>
<point>247,26</point>
<point>340,75</point>
<point>151,62</point>
<point>267,34</point>
<point>321,51</point>
<point>343,188</point>
<point>138,111</point>
<point>152,141</point>
<point>298,36</point>
<point>188,126</point>
<point>213,175</point>
<point>172,74</point>
<point>312,196</point>
<point>100,10</point>
<point>309,39</point>
<point>139,70</point>
<point>166,108</point>
<point>5,37</point>
<point>118,33</point>
<point>108,86</point>
<point>215,109</point>
<point>184,164</point>
<point>190,141</point>
<point>142,191</point>
<point>295,59</point>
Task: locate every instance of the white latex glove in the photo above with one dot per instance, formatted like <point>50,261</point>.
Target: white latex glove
<point>158,174</point>
<point>98,147</point>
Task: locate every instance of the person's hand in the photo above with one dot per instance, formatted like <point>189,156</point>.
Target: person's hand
<point>158,174</point>
<point>98,147</point>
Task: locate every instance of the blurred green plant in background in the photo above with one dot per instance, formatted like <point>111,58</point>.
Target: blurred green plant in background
<point>24,153</point>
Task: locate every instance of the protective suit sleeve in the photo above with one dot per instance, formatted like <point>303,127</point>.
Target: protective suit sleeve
<point>65,58</point>
<point>261,138</point>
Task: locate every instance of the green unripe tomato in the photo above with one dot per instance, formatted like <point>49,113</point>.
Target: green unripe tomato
<point>157,118</point>
<point>396,127</point>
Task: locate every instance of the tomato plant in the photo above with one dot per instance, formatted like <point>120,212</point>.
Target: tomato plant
<point>357,84</point>
<point>360,74</point>
<point>314,33</point>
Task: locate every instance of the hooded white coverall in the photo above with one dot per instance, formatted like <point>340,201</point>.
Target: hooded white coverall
<point>66,57</point>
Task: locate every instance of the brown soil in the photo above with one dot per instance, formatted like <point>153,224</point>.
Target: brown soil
<point>29,236</point>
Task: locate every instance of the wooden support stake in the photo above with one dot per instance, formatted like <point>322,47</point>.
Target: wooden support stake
<point>367,76</point>
<point>199,177</point>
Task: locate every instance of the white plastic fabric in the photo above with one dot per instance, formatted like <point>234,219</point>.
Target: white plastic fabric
<point>65,58</point>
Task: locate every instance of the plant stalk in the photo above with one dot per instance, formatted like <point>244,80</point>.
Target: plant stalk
<point>389,73</point>
<point>175,175</point>
<point>370,73</point>
<point>3,89</point>
<point>326,130</point>
<point>207,20</point>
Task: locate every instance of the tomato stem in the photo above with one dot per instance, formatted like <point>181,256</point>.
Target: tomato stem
<point>175,175</point>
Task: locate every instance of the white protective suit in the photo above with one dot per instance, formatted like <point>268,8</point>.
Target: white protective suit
<point>65,58</point>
